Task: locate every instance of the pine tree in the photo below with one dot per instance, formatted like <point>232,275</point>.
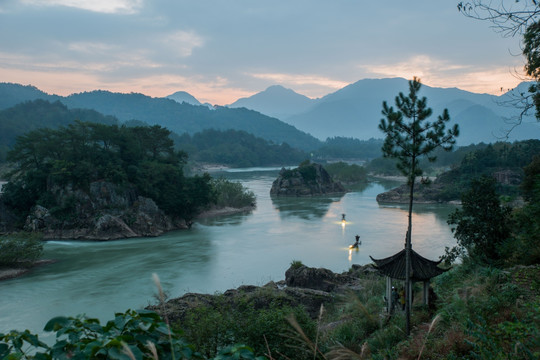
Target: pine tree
<point>408,142</point>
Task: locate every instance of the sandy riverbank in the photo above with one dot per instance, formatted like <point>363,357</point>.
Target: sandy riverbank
<point>11,273</point>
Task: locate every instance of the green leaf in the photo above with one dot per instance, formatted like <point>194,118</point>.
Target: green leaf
<point>56,323</point>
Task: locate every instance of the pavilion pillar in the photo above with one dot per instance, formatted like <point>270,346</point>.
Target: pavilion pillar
<point>409,294</point>
<point>388,294</point>
<point>426,292</point>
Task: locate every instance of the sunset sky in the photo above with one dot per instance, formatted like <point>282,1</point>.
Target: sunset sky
<point>221,50</point>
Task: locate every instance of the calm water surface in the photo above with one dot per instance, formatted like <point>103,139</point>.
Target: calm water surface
<point>101,278</point>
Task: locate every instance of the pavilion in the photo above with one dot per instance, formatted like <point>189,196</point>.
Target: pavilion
<point>422,269</point>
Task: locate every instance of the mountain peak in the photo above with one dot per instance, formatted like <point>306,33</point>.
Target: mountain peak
<point>276,101</point>
<point>183,97</point>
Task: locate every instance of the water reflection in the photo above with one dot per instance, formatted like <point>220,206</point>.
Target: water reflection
<point>441,211</point>
<point>225,220</point>
<point>307,208</point>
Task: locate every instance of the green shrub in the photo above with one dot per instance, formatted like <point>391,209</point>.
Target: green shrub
<point>308,172</point>
<point>257,319</point>
<point>20,249</point>
<point>232,194</point>
<point>131,335</point>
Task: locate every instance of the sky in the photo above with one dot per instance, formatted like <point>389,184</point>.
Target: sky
<point>222,50</point>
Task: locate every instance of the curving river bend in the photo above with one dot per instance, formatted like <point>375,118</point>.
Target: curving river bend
<point>101,278</point>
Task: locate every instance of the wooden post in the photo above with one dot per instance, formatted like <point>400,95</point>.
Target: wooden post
<point>388,294</point>
<point>426,292</point>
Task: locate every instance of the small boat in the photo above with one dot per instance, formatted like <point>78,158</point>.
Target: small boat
<point>356,244</point>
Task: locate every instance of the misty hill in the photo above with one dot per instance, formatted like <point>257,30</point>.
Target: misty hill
<point>32,115</point>
<point>179,118</point>
<point>237,148</point>
<point>183,97</point>
<point>13,94</point>
<point>275,101</point>
<point>186,118</point>
<point>355,111</point>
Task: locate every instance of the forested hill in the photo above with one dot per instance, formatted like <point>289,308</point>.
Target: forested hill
<point>13,94</point>
<point>186,118</point>
<point>230,147</point>
<point>32,115</point>
<point>179,118</point>
<point>237,148</point>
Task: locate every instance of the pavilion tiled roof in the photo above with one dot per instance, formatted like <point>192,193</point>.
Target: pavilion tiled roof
<point>422,269</point>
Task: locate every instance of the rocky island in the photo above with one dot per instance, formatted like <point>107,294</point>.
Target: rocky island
<point>309,179</point>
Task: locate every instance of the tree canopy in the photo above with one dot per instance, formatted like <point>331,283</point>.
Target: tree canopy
<point>76,155</point>
<point>408,142</point>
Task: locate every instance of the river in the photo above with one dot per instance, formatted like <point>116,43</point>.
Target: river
<point>101,278</point>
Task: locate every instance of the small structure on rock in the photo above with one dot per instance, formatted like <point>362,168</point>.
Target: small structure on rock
<point>309,179</point>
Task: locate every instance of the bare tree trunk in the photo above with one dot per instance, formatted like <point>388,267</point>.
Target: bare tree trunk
<point>408,246</point>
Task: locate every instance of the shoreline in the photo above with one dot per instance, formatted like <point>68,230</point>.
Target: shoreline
<point>15,272</point>
<point>12,273</point>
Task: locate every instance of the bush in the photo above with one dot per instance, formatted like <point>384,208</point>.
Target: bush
<point>232,194</point>
<point>259,320</point>
<point>21,249</point>
<point>131,335</point>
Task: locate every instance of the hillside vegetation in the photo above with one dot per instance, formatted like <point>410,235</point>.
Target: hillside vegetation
<point>237,149</point>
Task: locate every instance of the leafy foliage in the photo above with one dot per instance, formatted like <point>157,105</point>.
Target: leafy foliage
<point>232,194</point>
<point>524,246</point>
<point>482,225</point>
<point>131,335</point>
<point>20,249</point>
<point>408,142</point>
<point>259,321</point>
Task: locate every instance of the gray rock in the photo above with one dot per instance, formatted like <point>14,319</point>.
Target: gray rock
<point>106,212</point>
<point>306,180</point>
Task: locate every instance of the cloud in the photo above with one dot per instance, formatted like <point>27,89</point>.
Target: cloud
<point>100,6</point>
<point>182,42</point>
<point>442,73</point>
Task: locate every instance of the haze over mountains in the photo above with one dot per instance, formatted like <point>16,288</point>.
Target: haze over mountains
<point>355,110</point>
<point>282,115</point>
<point>177,117</point>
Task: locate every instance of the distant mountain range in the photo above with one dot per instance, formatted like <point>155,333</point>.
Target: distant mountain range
<point>355,110</point>
<point>282,115</point>
<point>177,117</point>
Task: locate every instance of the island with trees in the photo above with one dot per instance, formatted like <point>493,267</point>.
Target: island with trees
<point>96,181</point>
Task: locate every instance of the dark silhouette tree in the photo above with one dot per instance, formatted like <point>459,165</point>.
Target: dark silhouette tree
<point>482,225</point>
<point>408,142</point>
<point>511,18</point>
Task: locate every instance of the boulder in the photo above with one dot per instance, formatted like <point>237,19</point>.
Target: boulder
<point>311,278</point>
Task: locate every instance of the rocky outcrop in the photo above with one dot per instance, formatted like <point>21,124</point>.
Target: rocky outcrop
<point>423,194</point>
<point>313,278</point>
<point>106,212</point>
<point>306,180</point>
<point>303,286</point>
<point>444,189</point>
